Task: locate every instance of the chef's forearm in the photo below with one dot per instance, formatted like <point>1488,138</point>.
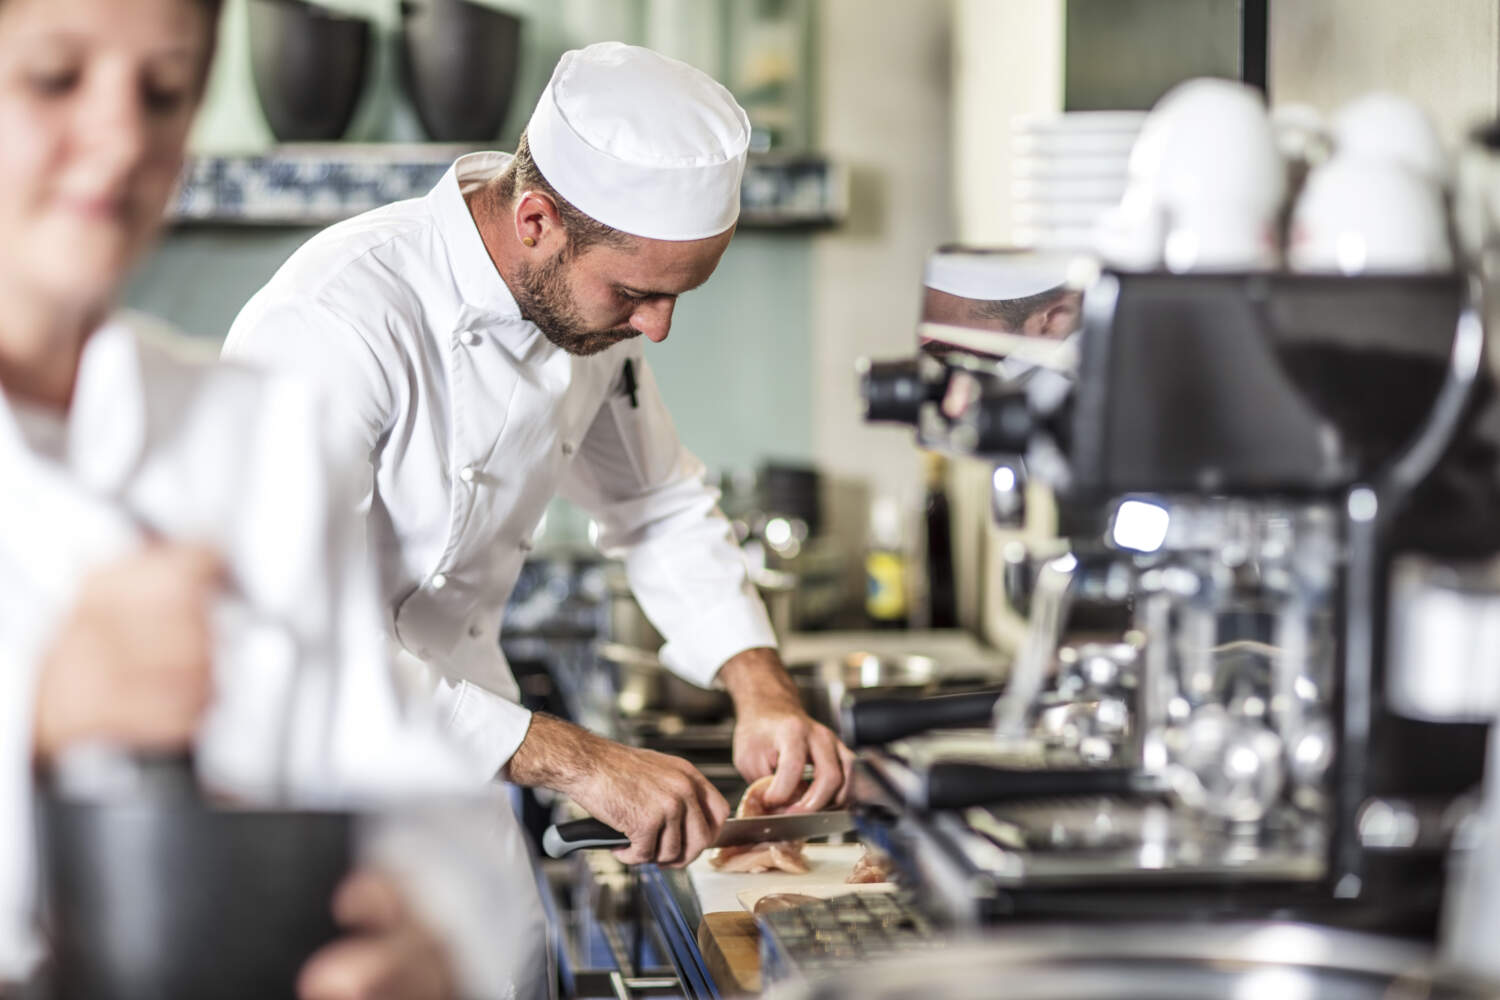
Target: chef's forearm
<point>555,754</point>
<point>756,680</point>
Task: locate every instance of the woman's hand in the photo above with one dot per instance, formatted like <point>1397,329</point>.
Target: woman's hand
<point>133,662</point>
<point>387,955</point>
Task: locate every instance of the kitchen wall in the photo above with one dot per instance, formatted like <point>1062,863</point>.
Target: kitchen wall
<point>1444,54</point>
<point>885,83</point>
<point>737,370</point>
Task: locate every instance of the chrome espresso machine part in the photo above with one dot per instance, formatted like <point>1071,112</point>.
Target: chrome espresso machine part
<point>1285,482</point>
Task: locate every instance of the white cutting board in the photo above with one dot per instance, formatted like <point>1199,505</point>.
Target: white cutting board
<point>827,864</point>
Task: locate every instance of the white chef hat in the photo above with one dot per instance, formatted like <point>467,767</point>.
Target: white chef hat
<point>642,143</point>
<point>995,275</point>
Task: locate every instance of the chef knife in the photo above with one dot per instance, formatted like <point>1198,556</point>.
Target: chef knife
<point>563,839</point>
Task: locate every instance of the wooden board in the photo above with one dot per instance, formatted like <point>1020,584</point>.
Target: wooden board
<point>730,944</point>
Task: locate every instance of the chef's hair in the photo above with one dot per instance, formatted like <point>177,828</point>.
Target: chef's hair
<point>583,230</point>
<point>1014,312</point>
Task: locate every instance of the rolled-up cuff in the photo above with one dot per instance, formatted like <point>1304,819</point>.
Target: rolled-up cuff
<point>487,727</point>
<point>696,652</point>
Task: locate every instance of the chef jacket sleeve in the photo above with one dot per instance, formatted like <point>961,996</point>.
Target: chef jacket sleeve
<point>648,496</point>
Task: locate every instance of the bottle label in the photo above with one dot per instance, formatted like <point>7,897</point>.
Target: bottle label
<point>885,585</point>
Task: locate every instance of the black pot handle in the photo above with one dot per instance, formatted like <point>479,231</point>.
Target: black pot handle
<point>875,721</point>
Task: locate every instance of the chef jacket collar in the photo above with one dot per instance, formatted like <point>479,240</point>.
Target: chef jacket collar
<point>107,422</point>
<point>485,294</point>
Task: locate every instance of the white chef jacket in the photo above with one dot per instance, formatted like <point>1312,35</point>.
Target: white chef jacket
<point>305,707</point>
<point>473,421</point>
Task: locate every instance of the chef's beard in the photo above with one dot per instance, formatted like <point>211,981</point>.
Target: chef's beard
<point>544,300</point>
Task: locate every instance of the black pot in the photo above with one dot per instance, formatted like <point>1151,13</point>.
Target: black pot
<point>162,896</point>
<point>459,60</point>
<point>309,65</point>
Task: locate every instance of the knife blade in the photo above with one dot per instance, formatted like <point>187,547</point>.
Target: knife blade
<point>562,839</point>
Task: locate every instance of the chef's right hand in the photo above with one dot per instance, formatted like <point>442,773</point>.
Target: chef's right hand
<point>667,808</point>
<point>132,663</point>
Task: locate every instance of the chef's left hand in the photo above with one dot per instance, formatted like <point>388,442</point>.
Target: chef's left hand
<point>387,954</point>
<point>774,734</point>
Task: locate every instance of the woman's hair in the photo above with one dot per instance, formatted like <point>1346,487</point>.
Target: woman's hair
<point>211,10</point>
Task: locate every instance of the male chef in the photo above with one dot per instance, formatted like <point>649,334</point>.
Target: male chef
<point>484,346</point>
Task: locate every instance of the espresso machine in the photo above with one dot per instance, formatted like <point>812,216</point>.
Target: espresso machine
<point>1284,490</point>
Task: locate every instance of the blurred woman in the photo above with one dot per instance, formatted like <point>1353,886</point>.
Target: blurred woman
<point>172,571</point>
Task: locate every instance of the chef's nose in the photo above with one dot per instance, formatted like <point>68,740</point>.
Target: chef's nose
<point>113,126</point>
<point>654,318</point>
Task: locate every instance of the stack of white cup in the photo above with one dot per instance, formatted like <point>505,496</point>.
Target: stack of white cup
<point>1378,204</point>
<point>1207,188</point>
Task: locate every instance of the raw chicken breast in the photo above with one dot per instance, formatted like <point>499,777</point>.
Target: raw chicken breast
<point>872,866</point>
<point>775,856</point>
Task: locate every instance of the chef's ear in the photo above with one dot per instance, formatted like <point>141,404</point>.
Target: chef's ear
<point>1061,317</point>
<point>538,223</point>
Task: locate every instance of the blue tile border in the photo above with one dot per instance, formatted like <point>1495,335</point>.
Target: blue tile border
<point>318,185</point>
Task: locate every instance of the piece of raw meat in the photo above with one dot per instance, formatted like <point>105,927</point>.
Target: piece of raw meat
<point>781,901</point>
<point>872,866</point>
<point>773,856</point>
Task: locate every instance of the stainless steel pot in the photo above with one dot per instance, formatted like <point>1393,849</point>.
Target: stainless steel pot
<point>647,686</point>
<point>825,683</point>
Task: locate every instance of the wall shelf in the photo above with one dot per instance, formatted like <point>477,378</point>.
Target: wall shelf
<point>317,184</point>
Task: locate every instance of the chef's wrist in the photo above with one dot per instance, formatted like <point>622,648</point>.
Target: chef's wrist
<point>758,683</point>
<point>555,754</point>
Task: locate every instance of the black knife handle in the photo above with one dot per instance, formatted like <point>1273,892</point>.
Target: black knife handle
<point>562,839</point>
<point>874,721</point>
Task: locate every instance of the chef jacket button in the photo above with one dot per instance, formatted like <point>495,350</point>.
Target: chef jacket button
<point>567,447</point>
<point>467,473</point>
<point>475,631</point>
<point>524,545</point>
<point>438,581</point>
<point>471,338</point>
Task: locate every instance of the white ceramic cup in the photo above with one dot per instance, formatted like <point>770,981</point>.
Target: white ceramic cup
<point>1386,128</point>
<point>1357,217</point>
<point>1207,160</point>
<point>1209,143</point>
<point>1221,238</point>
<point>1129,236</point>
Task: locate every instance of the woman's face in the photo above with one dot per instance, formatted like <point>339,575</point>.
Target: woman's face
<point>96,98</point>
